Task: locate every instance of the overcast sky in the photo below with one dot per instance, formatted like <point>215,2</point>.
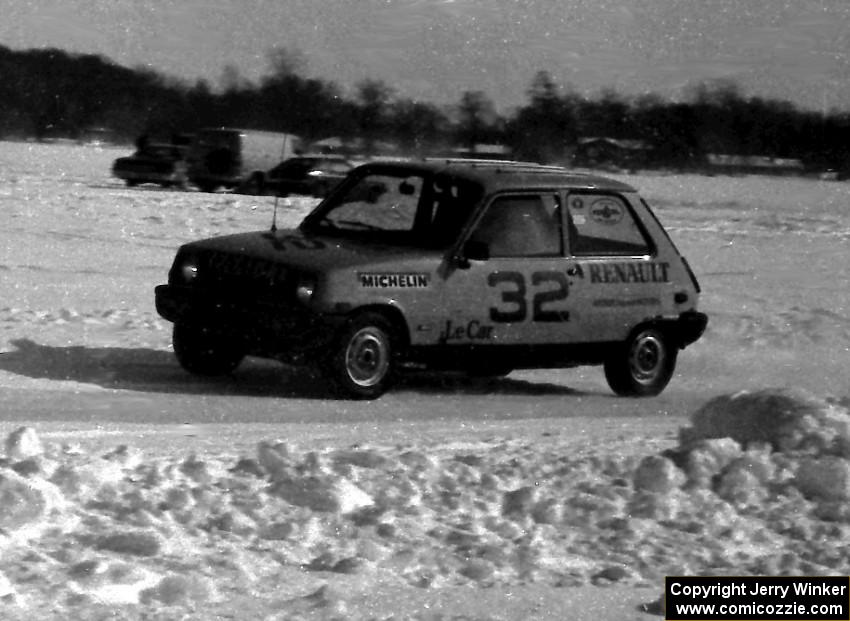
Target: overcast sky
<point>433,50</point>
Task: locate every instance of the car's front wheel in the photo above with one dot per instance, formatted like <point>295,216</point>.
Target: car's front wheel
<point>203,350</point>
<point>362,363</point>
<point>256,185</point>
<point>320,190</point>
<point>643,365</point>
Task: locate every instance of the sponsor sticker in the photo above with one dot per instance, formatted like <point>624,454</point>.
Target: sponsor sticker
<point>637,272</point>
<point>606,211</point>
<point>394,280</point>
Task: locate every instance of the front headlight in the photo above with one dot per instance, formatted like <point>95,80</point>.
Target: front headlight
<point>189,271</point>
<point>185,270</point>
<point>305,289</point>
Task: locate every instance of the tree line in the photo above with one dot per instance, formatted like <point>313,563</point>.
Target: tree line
<point>48,93</point>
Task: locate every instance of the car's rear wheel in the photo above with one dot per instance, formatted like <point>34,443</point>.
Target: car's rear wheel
<point>362,363</point>
<point>643,365</point>
<point>221,161</point>
<point>204,350</point>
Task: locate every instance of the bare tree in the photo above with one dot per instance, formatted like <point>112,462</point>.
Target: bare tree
<point>476,117</point>
<point>374,98</point>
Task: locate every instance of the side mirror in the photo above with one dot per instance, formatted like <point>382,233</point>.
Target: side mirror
<point>476,251</point>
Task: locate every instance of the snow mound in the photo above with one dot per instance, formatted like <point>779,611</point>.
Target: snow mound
<point>787,419</point>
<point>750,446</point>
<point>759,485</point>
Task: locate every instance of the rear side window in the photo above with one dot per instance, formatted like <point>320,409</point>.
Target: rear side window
<point>337,167</point>
<point>521,226</point>
<point>603,224</point>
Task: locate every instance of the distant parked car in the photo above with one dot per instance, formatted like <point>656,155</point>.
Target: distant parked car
<point>309,175</point>
<point>154,162</point>
<point>228,157</point>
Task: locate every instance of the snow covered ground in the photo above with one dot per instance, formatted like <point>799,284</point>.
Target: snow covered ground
<point>135,491</point>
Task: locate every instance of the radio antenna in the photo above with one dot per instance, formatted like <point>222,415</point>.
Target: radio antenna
<point>277,191</point>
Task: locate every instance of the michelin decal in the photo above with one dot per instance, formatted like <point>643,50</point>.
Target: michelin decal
<point>394,280</point>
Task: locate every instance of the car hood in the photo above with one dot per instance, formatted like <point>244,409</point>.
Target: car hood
<point>310,252</point>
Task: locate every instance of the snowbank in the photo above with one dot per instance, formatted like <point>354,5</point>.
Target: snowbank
<point>758,484</point>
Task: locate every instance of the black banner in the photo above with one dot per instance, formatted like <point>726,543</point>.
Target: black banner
<point>760,598</point>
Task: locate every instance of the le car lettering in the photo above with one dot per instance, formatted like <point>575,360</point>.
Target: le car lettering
<point>474,330</point>
<point>394,281</point>
<point>629,272</point>
<point>550,287</point>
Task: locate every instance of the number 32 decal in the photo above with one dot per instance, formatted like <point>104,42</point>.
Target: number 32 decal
<point>554,287</point>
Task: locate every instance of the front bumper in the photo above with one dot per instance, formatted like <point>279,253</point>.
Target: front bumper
<point>266,327</point>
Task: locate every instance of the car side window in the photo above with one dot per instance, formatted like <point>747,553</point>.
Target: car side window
<point>603,224</point>
<point>521,226</point>
<point>338,167</point>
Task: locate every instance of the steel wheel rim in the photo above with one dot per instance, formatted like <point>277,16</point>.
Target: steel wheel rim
<point>646,358</point>
<point>367,357</point>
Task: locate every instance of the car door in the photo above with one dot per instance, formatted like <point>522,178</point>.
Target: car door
<point>515,290</point>
<point>616,279</point>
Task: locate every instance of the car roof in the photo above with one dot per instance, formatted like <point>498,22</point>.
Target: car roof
<point>319,156</point>
<point>497,175</point>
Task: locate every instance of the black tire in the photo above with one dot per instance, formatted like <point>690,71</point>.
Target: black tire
<point>362,363</point>
<point>643,365</point>
<point>131,183</point>
<point>202,350</point>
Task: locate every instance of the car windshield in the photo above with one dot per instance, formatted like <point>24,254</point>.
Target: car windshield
<point>412,209</point>
<point>160,151</point>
